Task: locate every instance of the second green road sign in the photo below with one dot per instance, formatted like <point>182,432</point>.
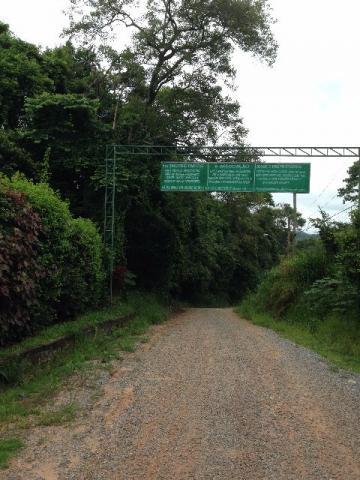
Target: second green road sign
<point>235,177</point>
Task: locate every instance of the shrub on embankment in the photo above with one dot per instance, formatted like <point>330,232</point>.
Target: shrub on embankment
<point>283,286</point>
<point>314,282</point>
<point>310,298</point>
<point>51,265</point>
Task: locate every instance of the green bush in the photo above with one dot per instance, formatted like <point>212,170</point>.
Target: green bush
<point>55,246</point>
<point>331,294</point>
<point>83,271</point>
<point>337,291</point>
<point>69,251</point>
<point>348,256</point>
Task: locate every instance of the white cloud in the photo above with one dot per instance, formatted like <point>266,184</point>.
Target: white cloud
<point>35,21</point>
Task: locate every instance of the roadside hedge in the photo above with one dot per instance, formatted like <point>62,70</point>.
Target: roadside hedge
<point>65,259</point>
<point>20,270</point>
<point>83,270</point>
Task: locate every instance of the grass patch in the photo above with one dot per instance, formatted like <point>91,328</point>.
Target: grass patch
<point>127,343</point>
<point>65,414</point>
<point>336,339</point>
<point>35,384</point>
<point>8,449</point>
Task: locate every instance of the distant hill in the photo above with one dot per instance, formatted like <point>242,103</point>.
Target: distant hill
<point>305,236</point>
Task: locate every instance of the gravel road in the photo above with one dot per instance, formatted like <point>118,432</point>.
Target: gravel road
<point>210,396</point>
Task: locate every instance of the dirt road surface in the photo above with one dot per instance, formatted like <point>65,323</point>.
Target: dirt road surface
<point>212,397</point>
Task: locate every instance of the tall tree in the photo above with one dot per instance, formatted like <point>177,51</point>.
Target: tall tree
<point>184,44</point>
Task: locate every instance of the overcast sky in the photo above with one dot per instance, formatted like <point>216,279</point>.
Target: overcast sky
<point>310,97</point>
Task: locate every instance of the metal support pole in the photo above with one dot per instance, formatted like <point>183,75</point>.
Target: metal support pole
<point>288,236</point>
<point>109,211</point>
<point>112,253</point>
<point>295,216</point>
<point>106,196</point>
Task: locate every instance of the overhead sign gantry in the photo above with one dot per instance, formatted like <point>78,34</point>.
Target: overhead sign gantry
<point>255,176</point>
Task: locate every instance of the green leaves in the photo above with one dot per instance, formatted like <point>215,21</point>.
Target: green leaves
<point>13,157</point>
<point>70,127</point>
<point>20,269</point>
<point>331,294</point>
<point>51,265</point>
<point>22,75</point>
<point>350,192</point>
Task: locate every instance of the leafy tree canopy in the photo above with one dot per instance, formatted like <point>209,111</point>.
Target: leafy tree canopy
<point>22,75</point>
<point>182,44</point>
<point>66,131</point>
<point>350,192</point>
<point>72,70</point>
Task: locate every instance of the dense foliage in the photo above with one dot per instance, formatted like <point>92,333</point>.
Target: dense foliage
<point>320,280</point>
<point>283,286</point>
<point>313,295</point>
<point>20,269</point>
<point>51,264</point>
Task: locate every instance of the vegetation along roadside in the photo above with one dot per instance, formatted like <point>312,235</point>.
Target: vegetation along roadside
<point>311,297</point>
<point>25,388</point>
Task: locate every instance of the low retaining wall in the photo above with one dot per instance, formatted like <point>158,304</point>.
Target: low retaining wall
<point>45,352</point>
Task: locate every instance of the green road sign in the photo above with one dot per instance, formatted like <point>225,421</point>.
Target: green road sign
<point>235,177</point>
<point>282,177</point>
<point>230,177</point>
